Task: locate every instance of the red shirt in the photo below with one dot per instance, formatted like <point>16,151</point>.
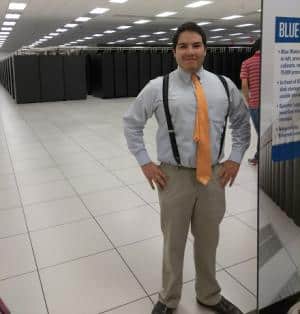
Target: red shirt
<point>250,70</point>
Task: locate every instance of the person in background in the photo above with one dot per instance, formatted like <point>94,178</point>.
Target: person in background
<point>191,184</point>
<point>250,76</point>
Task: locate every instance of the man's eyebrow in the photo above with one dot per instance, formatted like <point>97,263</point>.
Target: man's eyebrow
<point>195,43</point>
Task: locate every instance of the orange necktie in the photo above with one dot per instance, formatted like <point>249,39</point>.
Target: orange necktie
<point>202,134</point>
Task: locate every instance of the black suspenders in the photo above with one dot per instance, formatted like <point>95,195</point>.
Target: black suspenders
<point>169,120</point>
<point>170,124</point>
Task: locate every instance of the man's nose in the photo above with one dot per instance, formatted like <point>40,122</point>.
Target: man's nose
<point>190,50</point>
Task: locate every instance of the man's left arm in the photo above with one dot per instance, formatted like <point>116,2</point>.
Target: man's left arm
<point>240,124</point>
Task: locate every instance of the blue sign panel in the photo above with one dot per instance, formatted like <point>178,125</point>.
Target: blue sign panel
<point>287,30</point>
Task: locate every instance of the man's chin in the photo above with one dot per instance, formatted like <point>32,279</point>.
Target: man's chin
<point>191,69</point>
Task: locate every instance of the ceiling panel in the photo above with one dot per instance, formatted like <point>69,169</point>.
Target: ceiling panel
<point>42,17</point>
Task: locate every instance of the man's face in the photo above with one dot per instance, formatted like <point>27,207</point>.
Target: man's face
<point>190,51</point>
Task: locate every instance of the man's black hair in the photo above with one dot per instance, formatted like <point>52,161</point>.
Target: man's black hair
<point>189,27</point>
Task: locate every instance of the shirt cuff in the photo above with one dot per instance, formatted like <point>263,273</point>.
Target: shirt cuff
<point>236,156</point>
<point>142,157</point>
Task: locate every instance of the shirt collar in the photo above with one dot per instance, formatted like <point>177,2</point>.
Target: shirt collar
<point>186,77</point>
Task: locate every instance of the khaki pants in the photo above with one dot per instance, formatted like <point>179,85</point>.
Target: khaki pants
<point>184,202</point>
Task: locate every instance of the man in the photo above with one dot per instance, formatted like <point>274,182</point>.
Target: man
<point>191,191</point>
<point>250,76</point>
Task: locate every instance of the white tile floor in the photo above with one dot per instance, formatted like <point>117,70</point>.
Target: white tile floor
<point>79,225</point>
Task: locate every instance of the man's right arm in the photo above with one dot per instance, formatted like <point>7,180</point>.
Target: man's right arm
<point>245,89</point>
<point>244,76</point>
<point>134,122</point>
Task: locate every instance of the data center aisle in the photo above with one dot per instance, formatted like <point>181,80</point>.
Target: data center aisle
<point>79,225</point>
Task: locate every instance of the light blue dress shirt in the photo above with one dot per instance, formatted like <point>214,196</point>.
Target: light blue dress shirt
<point>182,103</point>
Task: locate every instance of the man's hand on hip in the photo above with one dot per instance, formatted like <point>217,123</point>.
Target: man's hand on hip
<point>154,175</point>
<point>228,172</point>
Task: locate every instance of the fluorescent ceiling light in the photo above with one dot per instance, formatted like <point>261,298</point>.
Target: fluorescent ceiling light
<point>174,29</point>
<point>203,23</point>
<point>18,6</point>
<point>140,43</point>
<point>6,28</point>
<point>151,41</point>
<point>225,39</point>
<point>111,43</point>
<point>48,37</point>
<point>98,35</point>
<point>198,4</point>
<point>165,14</point>
<point>118,1</point>
<point>158,33</point>
<point>73,42</point>
<point>231,17</point>
<point>99,11</point>
<point>120,41</point>
<point>109,31</point>
<point>61,30</point>
<point>124,27</point>
<point>54,34</point>
<point>4,33</point>
<point>8,23</point>
<point>144,36</point>
<point>213,37</point>
<point>217,29</point>
<point>257,31</point>
<point>88,37</point>
<point>167,38</point>
<point>245,37</point>
<point>79,40</point>
<point>3,36</point>
<point>131,38</point>
<point>142,21</point>
<point>235,34</point>
<point>12,16</point>
<point>71,25</point>
<point>82,19</point>
<point>210,41</point>
<point>244,25</point>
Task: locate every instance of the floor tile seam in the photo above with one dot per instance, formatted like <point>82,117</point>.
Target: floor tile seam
<point>237,263</point>
<point>137,194</point>
<point>73,222</point>
<point>18,275</point>
<point>25,186</point>
<point>237,212</point>
<point>245,223</point>
<point>71,260</point>
<point>112,248</point>
<point>138,241</point>
<point>13,235</point>
<point>248,227</point>
<point>100,189</point>
<point>122,211</point>
<point>125,304</point>
<point>240,283</point>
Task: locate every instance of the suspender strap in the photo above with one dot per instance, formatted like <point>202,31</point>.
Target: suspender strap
<point>222,79</point>
<point>169,120</point>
